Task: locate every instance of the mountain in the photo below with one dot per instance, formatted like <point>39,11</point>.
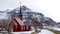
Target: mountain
<point>58,25</point>
<point>49,21</point>
<point>28,14</point>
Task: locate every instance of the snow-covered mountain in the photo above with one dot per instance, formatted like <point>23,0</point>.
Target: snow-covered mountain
<point>28,14</point>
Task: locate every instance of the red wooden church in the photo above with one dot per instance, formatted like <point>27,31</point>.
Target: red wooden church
<point>18,24</point>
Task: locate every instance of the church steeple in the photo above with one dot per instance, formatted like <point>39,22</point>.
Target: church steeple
<point>20,13</point>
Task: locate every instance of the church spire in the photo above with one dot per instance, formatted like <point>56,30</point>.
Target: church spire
<point>20,12</point>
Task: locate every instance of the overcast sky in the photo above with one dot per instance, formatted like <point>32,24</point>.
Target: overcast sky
<point>50,8</point>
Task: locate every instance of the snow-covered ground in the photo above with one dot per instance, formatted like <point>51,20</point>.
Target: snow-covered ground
<point>44,31</point>
<point>55,28</point>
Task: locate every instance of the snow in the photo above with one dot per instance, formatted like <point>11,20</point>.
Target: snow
<point>26,32</point>
<point>55,28</point>
<point>44,31</point>
<point>3,16</point>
